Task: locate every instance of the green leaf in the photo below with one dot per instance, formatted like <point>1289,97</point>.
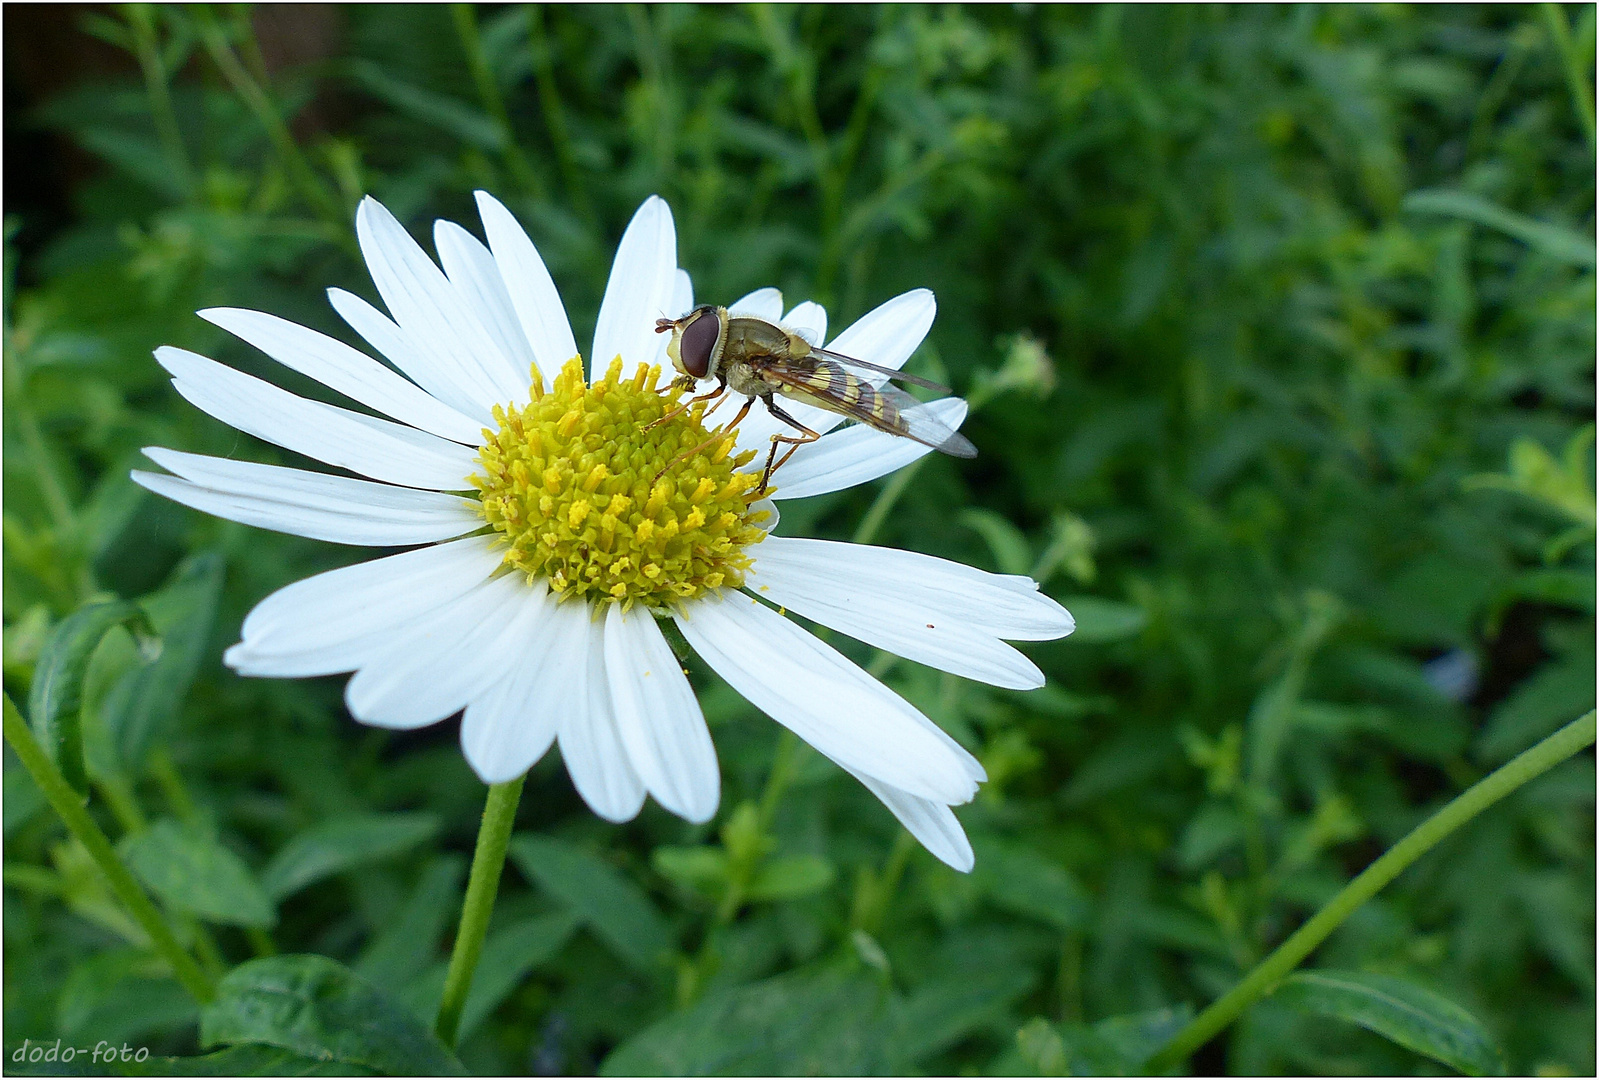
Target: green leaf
<point>1572,588</point>
<point>145,702</point>
<point>405,946</point>
<point>701,869</point>
<point>1100,620</point>
<point>799,1024</point>
<point>1559,690</point>
<point>616,909</point>
<point>1410,1015</point>
<point>1116,1046</point>
<point>56,696</point>
<point>23,799</point>
<point>191,871</point>
<point>122,994</point>
<point>317,1007</point>
<point>1011,551</point>
<point>342,844</point>
<point>791,877</point>
<point>1022,880</point>
<point>1555,241</point>
<point>440,110</point>
<point>508,956</point>
<point>941,1013</point>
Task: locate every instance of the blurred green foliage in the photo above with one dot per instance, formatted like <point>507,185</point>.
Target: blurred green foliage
<point>1282,325</point>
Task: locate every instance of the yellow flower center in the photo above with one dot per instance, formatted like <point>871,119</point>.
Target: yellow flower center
<point>571,482</point>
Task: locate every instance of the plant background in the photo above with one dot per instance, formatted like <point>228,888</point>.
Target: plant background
<point>1307,452</point>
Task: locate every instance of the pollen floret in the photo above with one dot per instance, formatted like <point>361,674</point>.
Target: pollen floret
<point>570,481</point>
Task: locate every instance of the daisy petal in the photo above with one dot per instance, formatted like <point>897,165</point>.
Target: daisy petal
<point>359,377</point>
<point>889,333</point>
<point>425,673</point>
<point>682,294</point>
<point>810,688</point>
<point>472,270</point>
<point>658,716</point>
<point>640,290</point>
<point>590,743</point>
<point>338,509</point>
<point>430,309</point>
<point>809,321</point>
<point>764,303</point>
<point>854,599</point>
<point>507,730</point>
<point>432,373</point>
<point>532,291</point>
<point>933,823</point>
<point>682,304</point>
<point>994,603</point>
<point>377,448</point>
<point>322,612</point>
<point>843,459</point>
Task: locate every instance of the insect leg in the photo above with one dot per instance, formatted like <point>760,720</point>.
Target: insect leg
<point>684,407</point>
<point>795,441</point>
<point>721,431</point>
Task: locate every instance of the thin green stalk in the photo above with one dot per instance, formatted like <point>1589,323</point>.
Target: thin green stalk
<point>550,106</point>
<point>69,806</point>
<point>124,805</point>
<point>142,21</point>
<point>488,90</point>
<point>172,788</point>
<point>785,763</point>
<point>1474,800</point>
<point>1581,97</point>
<point>877,513</point>
<point>255,96</point>
<point>51,485</point>
<point>261,942</point>
<point>494,835</point>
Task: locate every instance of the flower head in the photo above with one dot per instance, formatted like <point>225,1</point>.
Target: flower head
<point>554,515</point>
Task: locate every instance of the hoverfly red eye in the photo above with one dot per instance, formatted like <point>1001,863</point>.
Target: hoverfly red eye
<point>698,343</point>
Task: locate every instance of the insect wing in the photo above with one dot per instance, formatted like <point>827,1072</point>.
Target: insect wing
<point>892,373</point>
<point>827,385</point>
<point>920,423</point>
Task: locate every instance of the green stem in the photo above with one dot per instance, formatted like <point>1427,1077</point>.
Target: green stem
<point>494,835</point>
<point>1474,800</point>
<point>255,96</point>
<point>785,763</point>
<point>550,105</point>
<point>1581,99</point>
<point>142,21</point>
<point>51,485</point>
<point>124,805</point>
<point>488,90</point>
<point>868,529</point>
<point>261,942</point>
<point>69,806</point>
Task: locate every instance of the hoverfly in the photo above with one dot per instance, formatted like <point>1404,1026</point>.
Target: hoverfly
<point>760,359</point>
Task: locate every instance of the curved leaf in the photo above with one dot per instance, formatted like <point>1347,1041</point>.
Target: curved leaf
<point>317,1007</point>
<point>1410,1015</point>
<point>341,844</point>
<point>800,1024</point>
<point>56,696</point>
<point>146,700</point>
<point>193,872</point>
<point>1099,619</point>
<point>613,906</point>
<point>1553,240</point>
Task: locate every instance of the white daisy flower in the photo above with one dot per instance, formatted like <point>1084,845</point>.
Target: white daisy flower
<point>544,552</point>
